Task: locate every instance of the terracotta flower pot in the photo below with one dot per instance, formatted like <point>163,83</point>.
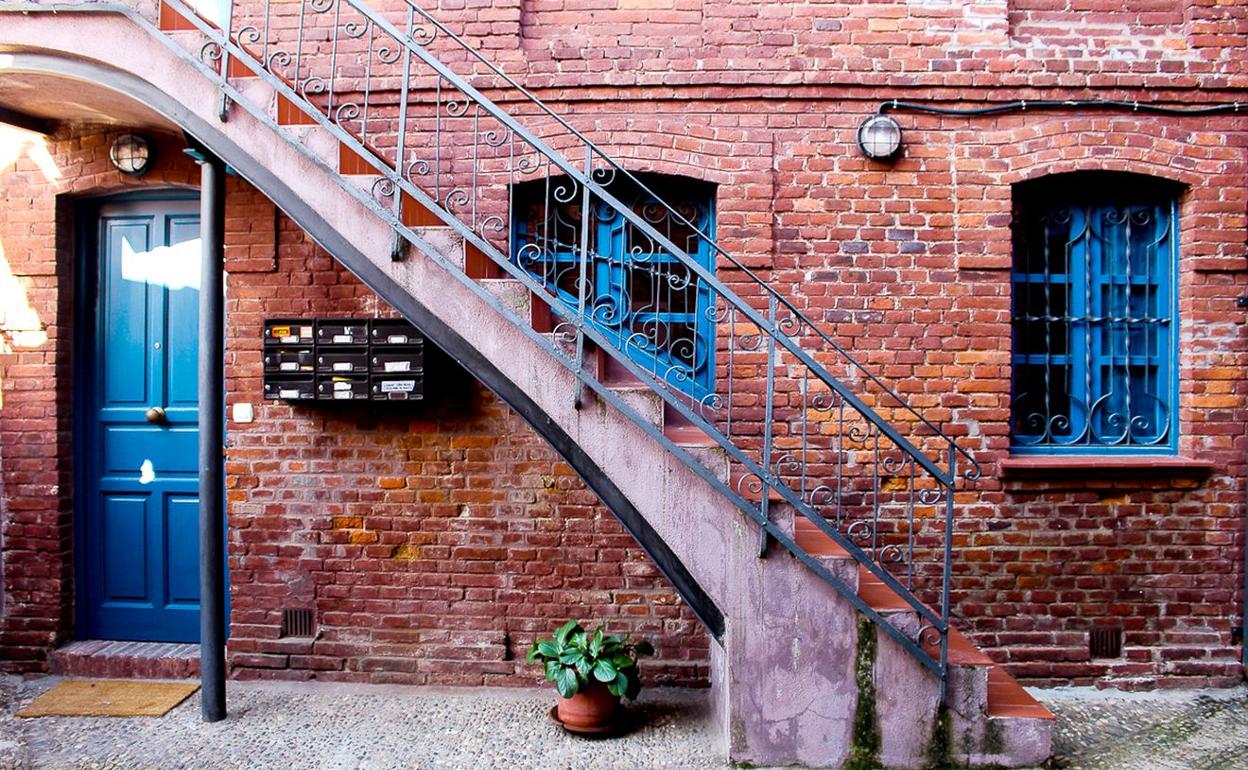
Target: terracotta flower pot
<point>591,710</point>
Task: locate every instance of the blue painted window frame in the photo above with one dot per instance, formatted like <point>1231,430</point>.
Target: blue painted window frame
<point>611,258</point>
<point>1098,290</point>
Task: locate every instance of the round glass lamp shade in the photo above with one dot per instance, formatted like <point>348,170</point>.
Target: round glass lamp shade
<point>879,138</point>
<point>130,154</point>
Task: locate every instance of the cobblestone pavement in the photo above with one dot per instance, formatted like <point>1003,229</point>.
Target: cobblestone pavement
<point>1172,730</point>
<point>297,726</point>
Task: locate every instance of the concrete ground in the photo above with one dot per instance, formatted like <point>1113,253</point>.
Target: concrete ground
<point>295,726</point>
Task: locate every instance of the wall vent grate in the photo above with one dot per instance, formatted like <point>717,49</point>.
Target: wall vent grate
<point>1105,642</point>
<point>298,622</point>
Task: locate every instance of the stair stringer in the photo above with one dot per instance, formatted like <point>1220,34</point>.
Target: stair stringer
<point>784,676</point>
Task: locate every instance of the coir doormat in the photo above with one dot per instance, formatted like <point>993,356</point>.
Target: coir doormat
<point>109,698</point>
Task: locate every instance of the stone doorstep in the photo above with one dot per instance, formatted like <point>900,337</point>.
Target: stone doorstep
<point>124,660</point>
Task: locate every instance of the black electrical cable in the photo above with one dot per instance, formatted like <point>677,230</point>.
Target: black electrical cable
<point>1050,104</point>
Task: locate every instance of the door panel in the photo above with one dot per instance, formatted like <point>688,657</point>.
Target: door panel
<point>140,571</point>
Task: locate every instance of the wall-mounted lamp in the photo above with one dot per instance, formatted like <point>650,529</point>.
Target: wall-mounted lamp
<point>879,138</point>
<point>130,154</point>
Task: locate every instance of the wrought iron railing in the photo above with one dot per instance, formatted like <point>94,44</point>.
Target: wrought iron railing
<point>847,453</point>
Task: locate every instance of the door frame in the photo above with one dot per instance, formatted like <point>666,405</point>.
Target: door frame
<point>84,222</point>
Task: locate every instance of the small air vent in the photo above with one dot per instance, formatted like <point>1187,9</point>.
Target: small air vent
<point>297,622</point>
<point>1105,642</point>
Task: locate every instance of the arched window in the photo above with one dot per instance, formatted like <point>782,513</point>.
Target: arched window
<point>1095,315</point>
<point>637,293</point>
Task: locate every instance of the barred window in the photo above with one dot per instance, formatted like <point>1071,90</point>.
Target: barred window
<point>638,295</point>
<point>1095,325</point>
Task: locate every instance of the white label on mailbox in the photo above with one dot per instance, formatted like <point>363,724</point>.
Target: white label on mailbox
<point>342,386</point>
<point>288,366</point>
<point>288,393</point>
<point>342,394</point>
<point>398,386</point>
<point>398,366</point>
<point>305,331</point>
<point>397,339</point>
<point>342,366</point>
<point>290,338</point>
<point>344,338</point>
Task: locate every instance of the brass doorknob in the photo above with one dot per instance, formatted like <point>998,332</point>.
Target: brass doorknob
<point>156,414</point>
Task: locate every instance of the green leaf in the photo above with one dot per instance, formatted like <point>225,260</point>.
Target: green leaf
<point>552,670</point>
<point>618,686</point>
<point>595,646</point>
<point>623,661</point>
<point>604,671</point>
<point>534,654</point>
<point>561,636</point>
<point>566,683</point>
<point>644,648</point>
<point>547,649</point>
<point>570,656</point>
<point>582,667</point>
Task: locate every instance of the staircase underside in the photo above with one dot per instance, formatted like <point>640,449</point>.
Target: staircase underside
<point>792,648</point>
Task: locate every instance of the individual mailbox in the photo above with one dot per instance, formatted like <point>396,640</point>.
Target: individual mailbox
<point>395,331</point>
<point>343,361</point>
<point>289,331</point>
<point>341,388</point>
<point>398,387</point>
<point>397,361</point>
<point>290,388</point>
<point>342,332</point>
<point>288,360</point>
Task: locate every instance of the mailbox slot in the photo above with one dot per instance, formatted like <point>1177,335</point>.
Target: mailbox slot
<point>289,331</point>
<point>288,360</point>
<point>342,332</point>
<point>398,361</point>
<point>344,361</point>
<point>398,387</point>
<point>290,388</point>
<point>341,388</point>
<point>395,331</point>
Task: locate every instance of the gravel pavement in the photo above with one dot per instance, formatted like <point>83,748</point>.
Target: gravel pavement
<point>360,727</point>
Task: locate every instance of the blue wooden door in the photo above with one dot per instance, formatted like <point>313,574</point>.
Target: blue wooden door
<point>140,532</point>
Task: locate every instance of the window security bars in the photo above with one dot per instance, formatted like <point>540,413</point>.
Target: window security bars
<point>1094,325</point>
<point>641,298</point>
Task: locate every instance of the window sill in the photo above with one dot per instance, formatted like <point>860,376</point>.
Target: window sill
<point>1137,465</point>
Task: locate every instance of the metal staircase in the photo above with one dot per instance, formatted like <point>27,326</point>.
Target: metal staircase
<point>765,407</point>
<point>424,145</point>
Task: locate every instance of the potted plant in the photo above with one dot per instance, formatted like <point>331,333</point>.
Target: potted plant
<point>591,672</point>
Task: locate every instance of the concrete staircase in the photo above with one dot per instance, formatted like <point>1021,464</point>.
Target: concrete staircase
<point>800,674</point>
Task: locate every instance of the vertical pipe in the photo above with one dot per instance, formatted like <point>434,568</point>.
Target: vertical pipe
<point>211,441</point>
<point>768,482</point>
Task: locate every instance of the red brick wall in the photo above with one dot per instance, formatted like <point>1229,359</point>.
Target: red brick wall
<point>434,543</point>
<point>908,265</point>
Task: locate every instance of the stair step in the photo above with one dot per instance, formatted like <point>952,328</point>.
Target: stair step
<point>142,660</point>
<point>447,242</point>
<point>1007,698</point>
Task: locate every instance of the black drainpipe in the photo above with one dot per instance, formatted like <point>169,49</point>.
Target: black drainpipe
<point>211,441</point>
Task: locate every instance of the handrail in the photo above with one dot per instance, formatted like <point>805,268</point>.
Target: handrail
<point>973,472</point>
